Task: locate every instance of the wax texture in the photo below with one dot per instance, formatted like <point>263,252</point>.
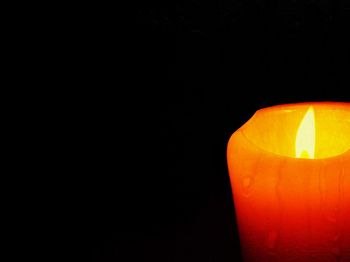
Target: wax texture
<point>289,208</point>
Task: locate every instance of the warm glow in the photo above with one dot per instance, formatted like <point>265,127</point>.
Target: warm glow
<point>284,131</point>
<point>305,139</point>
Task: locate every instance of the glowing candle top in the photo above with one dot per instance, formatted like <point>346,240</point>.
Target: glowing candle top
<point>305,130</point>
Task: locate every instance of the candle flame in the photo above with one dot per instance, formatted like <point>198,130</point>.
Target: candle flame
<point>305,139</point>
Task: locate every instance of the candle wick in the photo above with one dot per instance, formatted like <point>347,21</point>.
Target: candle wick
<point>304,154</point>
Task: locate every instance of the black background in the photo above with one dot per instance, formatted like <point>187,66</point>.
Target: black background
<point>200,69</point>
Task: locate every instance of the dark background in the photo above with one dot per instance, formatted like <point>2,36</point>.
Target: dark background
<point>200,69</point>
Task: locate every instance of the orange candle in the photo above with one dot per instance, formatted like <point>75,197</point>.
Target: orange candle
<point>289,168</point>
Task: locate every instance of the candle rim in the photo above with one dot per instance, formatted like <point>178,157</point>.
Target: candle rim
<point>344,105</point>
<point>311,103</point>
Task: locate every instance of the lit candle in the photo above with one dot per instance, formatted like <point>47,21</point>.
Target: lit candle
<point>289,167</point>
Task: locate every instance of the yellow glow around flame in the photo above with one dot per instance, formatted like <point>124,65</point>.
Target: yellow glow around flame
<point>305,139</point>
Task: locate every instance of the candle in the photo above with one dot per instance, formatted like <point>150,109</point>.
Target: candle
<point>289,168</point>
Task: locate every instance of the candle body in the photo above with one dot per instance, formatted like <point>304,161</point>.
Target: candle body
<point>289,209</point>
